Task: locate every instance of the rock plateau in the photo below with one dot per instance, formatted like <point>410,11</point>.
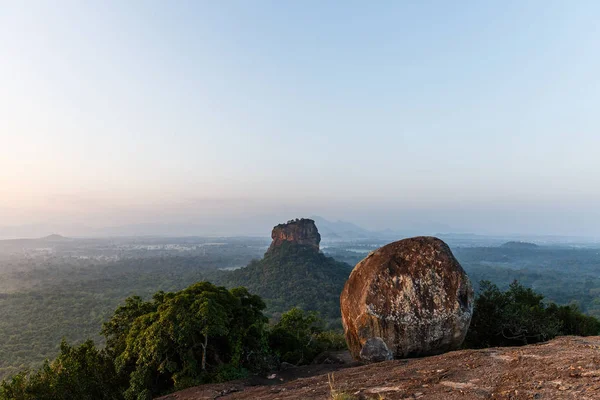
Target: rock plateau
<point>566,368</point>
<point>299,231</point>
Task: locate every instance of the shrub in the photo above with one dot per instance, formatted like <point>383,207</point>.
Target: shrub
<point>519,316</point>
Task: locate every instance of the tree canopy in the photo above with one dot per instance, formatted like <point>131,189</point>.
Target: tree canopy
<point>519,316</point>
<point>176,339</point>
<point>201,334</point>
<point>294,275</point>
<point>79,372</point>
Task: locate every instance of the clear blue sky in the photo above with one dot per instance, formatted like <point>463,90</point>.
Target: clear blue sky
<point>481,116</point>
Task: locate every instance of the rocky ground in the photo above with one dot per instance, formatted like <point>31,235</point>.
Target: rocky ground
<point>565,368</point>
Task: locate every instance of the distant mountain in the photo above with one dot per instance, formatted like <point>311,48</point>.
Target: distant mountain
<point>40,231</point>
<point>45,241</point>
<point>341,229</point>
<point>520,245</point>
<point>294,272</point>
<point>252,225</point>
<point>54,238</point>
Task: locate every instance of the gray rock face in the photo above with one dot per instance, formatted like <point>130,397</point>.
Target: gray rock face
<point>412,295</point>
<point>299,231</point>
<point>375,350</point>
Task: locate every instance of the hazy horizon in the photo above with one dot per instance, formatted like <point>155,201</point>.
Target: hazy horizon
<point>466,117</point>
<point>261,225</point>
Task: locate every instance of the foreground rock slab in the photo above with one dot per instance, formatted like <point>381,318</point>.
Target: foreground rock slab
<point>409,298</point>
<point>565,368</point>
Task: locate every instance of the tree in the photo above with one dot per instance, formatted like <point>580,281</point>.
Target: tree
<point>517,316</point>
<point>295,336</point>
<point>294,275</point>
<point>116,329</point>
<point>527,319</point>
<point>204,333</point>
<point>183,334</point>
<point>574,322</point>
<point>78,373</point>
<point>520,316</point>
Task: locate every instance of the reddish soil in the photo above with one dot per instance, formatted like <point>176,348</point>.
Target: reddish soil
<point>565,368</point>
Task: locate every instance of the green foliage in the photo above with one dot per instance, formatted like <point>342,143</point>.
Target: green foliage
<point>117,328</point>
<point>177,338</point>
<point>574,322</point>
<point>294,336</point>
<point>70,298</point>
<point>332,340</point>
<point>299,337</point>
<point>201,334</point>
<point>293,275</point>
<point>519,316</point>
<point>228,372</point>
<point>564,275</point>
<point>147,339</point>
<point>72,302</point>
<point>78,373</point>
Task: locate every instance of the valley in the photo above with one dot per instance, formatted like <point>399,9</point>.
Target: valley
<point>56,287</point>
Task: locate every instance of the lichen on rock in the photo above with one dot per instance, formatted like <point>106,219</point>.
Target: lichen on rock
<point>411,294</point>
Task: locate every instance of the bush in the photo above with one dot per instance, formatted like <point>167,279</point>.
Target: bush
<point>184,338</point>
<point>519,316</point>
<point>574,322</point>
<point>201,334</point>
<point>78,373</point>
<point>299,337</point>
<point>332,340</point>
<point>228,372</point>
<point>293,338</point>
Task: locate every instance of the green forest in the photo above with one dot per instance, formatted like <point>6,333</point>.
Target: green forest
<point>204,333</point>
<point>74,301</point>
<point>63,298</point>
<point>564,274</point>
<point>207,333</point>
<point>295,276</point>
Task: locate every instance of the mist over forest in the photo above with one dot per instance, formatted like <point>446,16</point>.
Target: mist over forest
<point>59,287</point>
<point>436,163</point>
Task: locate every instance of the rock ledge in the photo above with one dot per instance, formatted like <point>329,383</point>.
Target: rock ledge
<point>564,368</point>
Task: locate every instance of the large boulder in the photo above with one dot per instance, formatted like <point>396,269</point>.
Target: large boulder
<point>299,231</point>
<point>406,299</point>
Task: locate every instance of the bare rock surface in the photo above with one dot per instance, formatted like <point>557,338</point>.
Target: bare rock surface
<point>564,368</point>
<point>411,294</point>
<point>299,231</point>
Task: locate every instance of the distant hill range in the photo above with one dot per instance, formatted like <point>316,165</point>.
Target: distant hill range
<point>293,272</point>
<point>341,229</point>
<point>46,241</point>
<point>520,245</point>
<point>54,238</point>
<point>257,226</point>
<point>252,226</point>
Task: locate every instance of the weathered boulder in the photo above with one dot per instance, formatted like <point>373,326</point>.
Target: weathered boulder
<point>406,299</point>
<point>300,231</point>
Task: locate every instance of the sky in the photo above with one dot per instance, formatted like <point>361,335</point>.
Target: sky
<point>466,116</point>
